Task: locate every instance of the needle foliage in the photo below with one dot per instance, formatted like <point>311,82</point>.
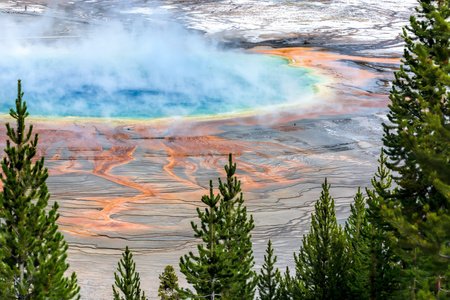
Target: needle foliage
<point>32,250</point>
<point>223,266</point>
<point>417,142</point>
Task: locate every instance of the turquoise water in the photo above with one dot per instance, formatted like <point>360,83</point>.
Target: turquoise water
<point>121,82</point>
<point>152,69</point>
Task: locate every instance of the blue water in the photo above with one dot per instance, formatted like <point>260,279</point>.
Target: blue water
<point>159,73</point>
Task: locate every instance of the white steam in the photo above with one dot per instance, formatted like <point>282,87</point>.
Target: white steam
<point>143,69</point>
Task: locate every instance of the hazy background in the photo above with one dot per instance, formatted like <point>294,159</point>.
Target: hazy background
<point>137,63</point>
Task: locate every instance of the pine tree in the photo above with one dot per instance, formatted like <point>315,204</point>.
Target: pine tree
<point>374,269</point>
<point>237,237</point>
<point>208,271</point>
<point>269,278</point>
<point>225,258</point>
<point>168,284</point>
<point>356,231</point>
<point>417,140</point>
<point>322,262</point>
<point>419,91</point>
<point>384,265</point>
<point>127,281</point>
<point>420,115</point>
<point>32,250</point>
<point>289,288</point>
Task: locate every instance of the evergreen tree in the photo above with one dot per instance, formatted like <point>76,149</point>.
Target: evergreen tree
<point>322,262</point>
<point>208,272</point>
<point>289,287</point>
<point>394,270</point>
<point>356,231</point>
<point>384,266</point>
<point>225,258</point>
<point>419,91</point>
<point>417,142</point>
<point>168,284</point>
<point>127,281</point>
<point>269,279</point>
<point>237,237</point>
<point>32,250</point>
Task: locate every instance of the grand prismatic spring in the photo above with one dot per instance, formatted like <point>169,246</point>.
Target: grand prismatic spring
<point>138,104</point>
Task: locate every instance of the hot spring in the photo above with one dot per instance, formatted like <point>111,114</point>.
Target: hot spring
<point>152,70</point>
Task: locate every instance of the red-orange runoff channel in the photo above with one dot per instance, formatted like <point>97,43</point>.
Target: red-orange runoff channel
<point>184,152</point>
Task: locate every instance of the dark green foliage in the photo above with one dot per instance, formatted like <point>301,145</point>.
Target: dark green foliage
<point>322,262</point>
<point>32,250</point>
<point>357,229</point>
<point>237,238</point>
<point>269,279</point>
<point>127,281</point>
<point>384,266</point>
<point>289,288</point>
<point>208,272</point>
<point>225,258</point>
<point>417,143</point>
<point>168,284</point>
<point>419,92</point>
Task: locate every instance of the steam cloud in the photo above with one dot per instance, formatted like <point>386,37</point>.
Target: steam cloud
<point>143,69</point>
